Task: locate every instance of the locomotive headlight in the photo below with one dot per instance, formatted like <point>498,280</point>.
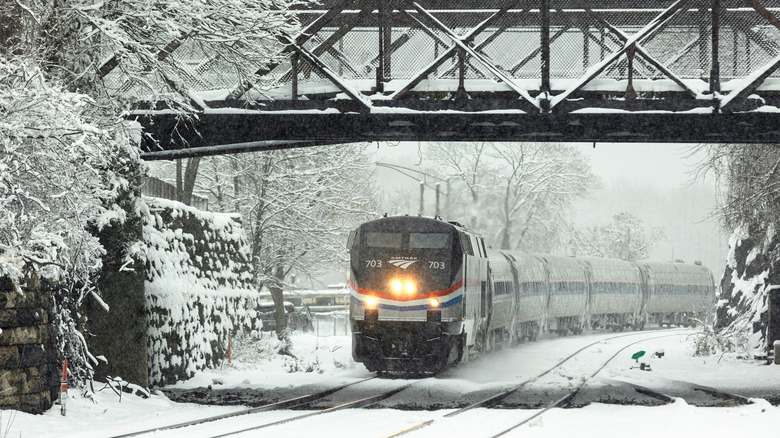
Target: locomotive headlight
<point>434,302</point>
<point>371,301</point>
<point>397,286</point>
<point>409,287</point>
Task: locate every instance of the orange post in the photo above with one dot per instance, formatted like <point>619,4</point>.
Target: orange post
<point>64,386</point>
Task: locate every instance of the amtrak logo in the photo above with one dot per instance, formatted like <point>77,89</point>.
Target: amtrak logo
<point>401,263</point>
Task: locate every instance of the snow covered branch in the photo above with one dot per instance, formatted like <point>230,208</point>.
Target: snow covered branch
<point>512,191</point>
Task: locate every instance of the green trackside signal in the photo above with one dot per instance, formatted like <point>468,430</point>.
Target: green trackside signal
<point>638,354</point>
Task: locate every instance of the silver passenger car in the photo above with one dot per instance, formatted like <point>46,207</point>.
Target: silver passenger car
<point>615,292</point>
<point>675,291</point>
<point>567,281</point>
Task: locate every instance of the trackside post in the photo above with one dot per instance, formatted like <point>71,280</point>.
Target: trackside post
<point>773,324</point>
<point>64,386</point>
<point>777,352</point>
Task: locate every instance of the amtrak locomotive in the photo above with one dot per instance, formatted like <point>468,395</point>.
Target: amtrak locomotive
<point>426,294</point>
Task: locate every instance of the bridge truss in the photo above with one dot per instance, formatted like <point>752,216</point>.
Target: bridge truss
<point>490,70</point>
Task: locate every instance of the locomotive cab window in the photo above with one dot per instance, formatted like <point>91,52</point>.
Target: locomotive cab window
<point>383,240</point>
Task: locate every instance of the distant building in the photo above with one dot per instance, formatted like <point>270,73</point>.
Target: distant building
<point>158,188</point>
<point>323,300</point>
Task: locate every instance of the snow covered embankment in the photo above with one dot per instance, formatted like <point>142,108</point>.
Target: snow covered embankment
<point>751,271</point>
<point>197,288</point>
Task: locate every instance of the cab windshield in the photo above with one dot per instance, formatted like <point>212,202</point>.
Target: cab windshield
<point>383,240</point>
<point>407,240</point>
<point>428,240</point>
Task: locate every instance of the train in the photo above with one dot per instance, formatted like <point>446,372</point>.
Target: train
<point>426,294</point>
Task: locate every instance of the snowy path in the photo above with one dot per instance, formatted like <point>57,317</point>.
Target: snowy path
<point>108,417</point>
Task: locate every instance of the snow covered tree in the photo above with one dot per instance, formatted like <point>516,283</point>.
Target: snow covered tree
<point>185,179</point>
<point>62,176</point>
<point>623,238</point>
<point>538,183</point>
<point>301,205</point>
<point>129,48</point>
<point>518,191</point>
<point>466,163</point>
<point>68,163</point>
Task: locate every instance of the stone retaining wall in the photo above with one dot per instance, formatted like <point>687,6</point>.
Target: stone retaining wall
<point>198,289</point>
<point>29,357</point>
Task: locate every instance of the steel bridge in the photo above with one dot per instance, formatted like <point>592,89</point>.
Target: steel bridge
<point>695,71</point>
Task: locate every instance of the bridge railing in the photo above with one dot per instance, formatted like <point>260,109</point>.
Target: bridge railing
<point>384,44</point>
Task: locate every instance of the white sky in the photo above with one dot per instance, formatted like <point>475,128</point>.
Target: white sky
<point>611,161</point>
<point>659,164</point>
<point>652,181</point>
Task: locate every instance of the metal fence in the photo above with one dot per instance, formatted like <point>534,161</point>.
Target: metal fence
<point>331,324</point>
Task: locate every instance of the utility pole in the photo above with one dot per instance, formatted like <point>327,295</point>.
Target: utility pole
<point>407,171</point>
<point>438,189</point>
<point>422,193</point>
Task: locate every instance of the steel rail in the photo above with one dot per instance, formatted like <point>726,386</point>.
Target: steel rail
<point>284,404</point>
<point>360,403</point>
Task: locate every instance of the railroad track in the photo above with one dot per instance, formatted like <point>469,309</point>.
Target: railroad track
<point>223,428</point>
<point>561,402</point>
<point>291,403</point>
<point>355,404</point>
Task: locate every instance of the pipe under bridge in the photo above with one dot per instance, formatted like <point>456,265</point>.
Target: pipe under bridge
<point>694,71</point>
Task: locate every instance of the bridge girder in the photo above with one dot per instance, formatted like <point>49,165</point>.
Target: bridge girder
<point>300,130</point>
<point>466,70</point>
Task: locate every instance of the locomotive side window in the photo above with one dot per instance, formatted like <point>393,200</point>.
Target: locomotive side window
<point>465,243</point>
<point>428,240</point>
<point>476,248</point>
<point>383,240</point>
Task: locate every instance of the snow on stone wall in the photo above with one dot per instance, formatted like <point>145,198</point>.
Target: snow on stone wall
<point>751,269</point>
<point>198,288</point>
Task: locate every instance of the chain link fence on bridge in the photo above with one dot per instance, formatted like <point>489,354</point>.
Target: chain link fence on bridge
<point>579,38</point>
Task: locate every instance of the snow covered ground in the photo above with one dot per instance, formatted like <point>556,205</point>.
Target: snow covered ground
<point>327,361</point>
